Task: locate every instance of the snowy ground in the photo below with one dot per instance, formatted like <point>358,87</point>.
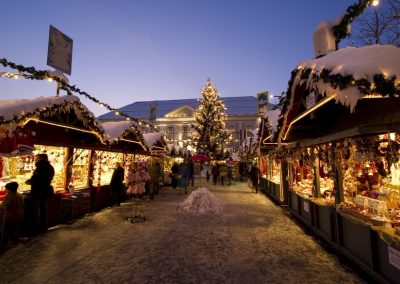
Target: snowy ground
<point>252,241</point>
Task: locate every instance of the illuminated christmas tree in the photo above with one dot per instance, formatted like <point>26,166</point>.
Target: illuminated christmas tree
<point>210,131</point>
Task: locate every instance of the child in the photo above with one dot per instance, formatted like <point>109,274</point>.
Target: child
<point>14,204</point>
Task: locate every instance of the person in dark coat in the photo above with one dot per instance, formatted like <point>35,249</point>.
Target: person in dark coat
<point>116,184</point>
<point>184,176</point>
<point>174,175</point>
<point>14,204</point>
<point>40,187</point>
<point>154,182</point>
<point>255,176</point>
<point>215,173</point>
<point>190,169</point>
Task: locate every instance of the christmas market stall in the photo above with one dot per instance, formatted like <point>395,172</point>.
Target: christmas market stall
<point>125,145</point>
<point>272,165</point>
<point>52,125</point>
<point>341,123</point>
<point>157,144</point>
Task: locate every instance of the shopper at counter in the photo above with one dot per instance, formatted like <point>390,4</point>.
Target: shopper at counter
<point>14,205</point>
<point>40,187</point>
<point>116,184</point>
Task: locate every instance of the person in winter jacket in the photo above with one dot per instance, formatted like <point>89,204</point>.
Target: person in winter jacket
<point>14,205</point>
<point>116,184</point>
<point>40,187</point>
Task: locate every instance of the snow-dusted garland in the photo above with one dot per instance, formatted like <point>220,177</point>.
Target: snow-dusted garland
<point>86,117</point>
<point>34,74</point>
<point>342,29</point>
<point>381,85</point>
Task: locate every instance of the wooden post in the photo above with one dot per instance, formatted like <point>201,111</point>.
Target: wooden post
<point>68,171</point>
<point>317,191</point>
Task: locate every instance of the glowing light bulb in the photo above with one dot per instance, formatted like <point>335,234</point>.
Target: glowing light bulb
<point>375,2</point>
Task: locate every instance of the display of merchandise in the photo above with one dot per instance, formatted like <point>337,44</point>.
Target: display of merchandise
<point>79,169</point>
<point>20,168</point>
<point>273,170</point>
<point>104,165</point>
<point>371,189</point>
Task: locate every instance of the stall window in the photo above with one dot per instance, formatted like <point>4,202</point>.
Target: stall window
<point>80,168</point>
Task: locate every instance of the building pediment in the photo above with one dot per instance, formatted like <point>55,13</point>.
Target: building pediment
<point>183,111</point>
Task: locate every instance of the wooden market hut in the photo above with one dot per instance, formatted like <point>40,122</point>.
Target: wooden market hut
<point>348,94</point>
<point>52,125</point>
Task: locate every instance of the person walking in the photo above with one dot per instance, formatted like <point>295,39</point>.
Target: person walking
<point>174,175</point>
<point>255,176</point>
<point>41,188</point>
<point>116,184</point>
<point>215,173</point>
<point>223,172</point>
<point>190,169</point>
<point>154,182</point>
<point>184,176</point>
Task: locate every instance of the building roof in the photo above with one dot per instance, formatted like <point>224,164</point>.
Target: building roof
<point>235,106</point>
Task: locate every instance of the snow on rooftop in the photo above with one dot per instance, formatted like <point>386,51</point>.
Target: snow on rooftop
<point>17,107</point>
<point>273,116</point>
<point>151,138</point>
<point>114,129</point>
<point>361,63</point>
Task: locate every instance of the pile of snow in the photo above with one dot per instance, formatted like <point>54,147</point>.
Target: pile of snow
<point>201,201</point>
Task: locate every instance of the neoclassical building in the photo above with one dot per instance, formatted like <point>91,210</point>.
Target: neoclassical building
<point>174,118</point>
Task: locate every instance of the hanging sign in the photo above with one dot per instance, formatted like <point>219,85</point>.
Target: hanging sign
<point>59,54</point>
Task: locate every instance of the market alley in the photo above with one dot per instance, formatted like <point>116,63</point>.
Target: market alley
<point>252,241</point>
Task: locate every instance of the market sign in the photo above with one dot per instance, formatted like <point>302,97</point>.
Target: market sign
<point>59,54</point>
<point>262,102</point>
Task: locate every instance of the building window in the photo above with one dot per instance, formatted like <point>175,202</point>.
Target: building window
<point>185,129</point>
<point>170,130</point>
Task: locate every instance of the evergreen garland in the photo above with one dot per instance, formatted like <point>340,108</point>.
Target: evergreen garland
<point>341,30</point>
<point>33,74</point>
<point>385,86</point>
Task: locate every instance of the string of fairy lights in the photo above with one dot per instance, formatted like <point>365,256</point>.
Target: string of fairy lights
<point>31,73</point>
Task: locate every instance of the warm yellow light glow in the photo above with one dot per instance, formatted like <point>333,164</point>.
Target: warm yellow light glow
<point>316,106</point>
<point>117,113</point>
<point>65,126</point>
<point>375,2</point>
<point>50,79</point>
<point>132,141</point>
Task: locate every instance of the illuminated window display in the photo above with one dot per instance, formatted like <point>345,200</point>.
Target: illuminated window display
<point>20,168</point>
<point>80,168</point>
<point>104,165</point>
<point>371,180</point>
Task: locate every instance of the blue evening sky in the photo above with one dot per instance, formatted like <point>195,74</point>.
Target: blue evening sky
<point>138,50</point>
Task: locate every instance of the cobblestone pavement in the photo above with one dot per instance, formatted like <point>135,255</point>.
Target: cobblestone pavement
<point>254,241</point>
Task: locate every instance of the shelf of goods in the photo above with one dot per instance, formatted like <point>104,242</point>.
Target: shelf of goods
<point>271,180</point>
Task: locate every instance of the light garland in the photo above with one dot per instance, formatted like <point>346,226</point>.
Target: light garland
<point>32,74</point>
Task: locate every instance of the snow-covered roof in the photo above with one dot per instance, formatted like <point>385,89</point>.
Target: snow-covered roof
<point>21,108</point>
<point>151,138</point>
<point>17,107</point>
<point>346,75</point>
<point>273,116</point>
<point>114,129</point>
<point>361,63</point>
